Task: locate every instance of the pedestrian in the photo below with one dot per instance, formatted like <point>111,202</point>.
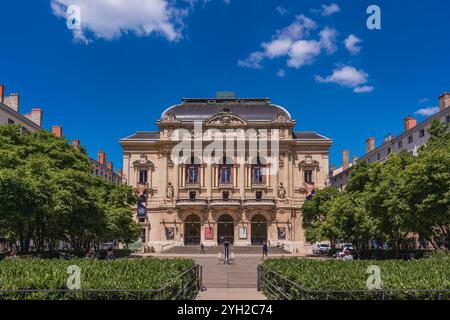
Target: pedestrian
<point>265,249</point>
<point>202,248</point>
<point>110,254</point>
<point>226,246</point>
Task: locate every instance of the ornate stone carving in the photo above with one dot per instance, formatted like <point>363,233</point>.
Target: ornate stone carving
<point>170,191</point>
<point>281,191</point>
<point>169,117</point>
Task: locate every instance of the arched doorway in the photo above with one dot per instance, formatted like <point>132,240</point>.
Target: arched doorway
<point>225,229</point>
<point>192,230</point>
<point>259,229</point>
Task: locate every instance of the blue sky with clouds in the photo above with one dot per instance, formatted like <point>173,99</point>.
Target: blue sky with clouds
<point>134,58</point>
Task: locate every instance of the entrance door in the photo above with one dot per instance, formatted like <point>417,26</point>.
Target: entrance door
<point>192,230</point>
<point>259,229</point>
<point>225,229</point>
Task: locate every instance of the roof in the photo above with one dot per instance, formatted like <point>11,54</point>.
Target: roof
<point>249,109</point>
<point>143,135</point>
<point>19,116</point>
<point>309,135</point>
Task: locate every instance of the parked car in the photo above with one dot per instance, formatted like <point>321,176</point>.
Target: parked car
<point>321,248</point>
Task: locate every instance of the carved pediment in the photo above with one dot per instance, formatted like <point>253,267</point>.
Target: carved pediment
<point>225,119</point>
<point>143,162</point>
<point>309,163</point>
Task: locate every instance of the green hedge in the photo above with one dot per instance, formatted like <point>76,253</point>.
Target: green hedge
<point>319,277</point>
<point>121,274</point>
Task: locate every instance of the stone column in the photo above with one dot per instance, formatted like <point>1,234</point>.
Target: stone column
<point>175,178</point>
<point>164,173</point>
<point>242,180</point>
<point>286,174</point>
<point>208,181</point>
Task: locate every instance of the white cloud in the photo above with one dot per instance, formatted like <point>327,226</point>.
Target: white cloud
<point>351,43</point>
<point>348,77</point>
<point>253,61</point>
<point>426,112</point>
<point>278,47</point>
<point>424,100</point>
<point>329,10</point>
<point>281,10</point>
<point>281,73</point>
<point>328,39</point>
<point>363,89</point>
<point>292,42</point>
<point>110,19</point>
<point>303,52</point>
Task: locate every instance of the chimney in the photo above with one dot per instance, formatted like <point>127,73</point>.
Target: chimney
<point>345,158</point>
<point>12,101</point>
<point>410,123</point>
<point>35,116</point>
<point>110,166</point>
<point>354,159</point>
<point>57,131</point>
<point>444,101</point>
<point>370,144</point>
<point>101,157</point>
<point>76,143</point>
<point>2,93</point>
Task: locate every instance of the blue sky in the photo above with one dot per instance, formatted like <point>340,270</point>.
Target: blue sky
<point>127,64</point>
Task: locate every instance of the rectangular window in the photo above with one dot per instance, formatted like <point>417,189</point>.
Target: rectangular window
<point>192,175</point>
<point>308,176</point>
<point>422,133</point>
<point>378,156</point>
<point>225,195</point>
<point>400,144</point>
<point>143,235</point>
<point>258,195</point>
<point>192,195</point>
<point>258,176</point>
<point>143,176</point>
<point>10,121</point>
<point>410,139</point>
<point>225,175</point>
<point>448,119</point>
<point>389,151</point>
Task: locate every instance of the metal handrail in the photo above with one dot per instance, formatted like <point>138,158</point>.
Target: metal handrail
<point>282,294</point>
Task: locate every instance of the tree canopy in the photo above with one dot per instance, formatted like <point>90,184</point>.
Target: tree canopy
<point>47,195</point>
<point>388,201</point>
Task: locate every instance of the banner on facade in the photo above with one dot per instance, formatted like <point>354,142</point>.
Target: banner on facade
<point>208,233</point>
<point>170,233</point>
<point>242,233</point>
<point>142,201</point>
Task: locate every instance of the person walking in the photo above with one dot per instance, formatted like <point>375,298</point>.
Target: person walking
<point>202,248</point>
<point>265,249</point>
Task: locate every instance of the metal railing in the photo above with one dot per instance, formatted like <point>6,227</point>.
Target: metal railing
<point>184,287</point>
<point>278,287</point>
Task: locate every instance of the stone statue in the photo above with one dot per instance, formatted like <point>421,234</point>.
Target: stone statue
<point>170,190</point>
<point>281,191</point>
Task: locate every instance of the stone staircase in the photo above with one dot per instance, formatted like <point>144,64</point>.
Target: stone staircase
<point>257,250</point>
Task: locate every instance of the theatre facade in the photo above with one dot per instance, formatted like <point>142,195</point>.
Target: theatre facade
<point>242,198</point>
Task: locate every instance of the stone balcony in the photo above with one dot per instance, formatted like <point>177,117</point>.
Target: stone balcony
<point>192,203</point>
<point>225,203</point>
<point>259,203</point>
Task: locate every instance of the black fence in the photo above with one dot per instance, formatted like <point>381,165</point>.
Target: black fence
<point>275,286</point>
<point>184,287</point>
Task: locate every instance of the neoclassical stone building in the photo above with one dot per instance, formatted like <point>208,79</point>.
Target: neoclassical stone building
<point>244,202</point>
